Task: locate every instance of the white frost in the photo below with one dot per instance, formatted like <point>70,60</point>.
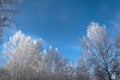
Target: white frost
<point>96,33</point>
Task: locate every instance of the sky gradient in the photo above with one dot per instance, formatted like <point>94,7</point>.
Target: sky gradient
<point>61,23</point>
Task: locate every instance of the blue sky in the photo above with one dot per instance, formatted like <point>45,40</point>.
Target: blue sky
<point>61,23</point>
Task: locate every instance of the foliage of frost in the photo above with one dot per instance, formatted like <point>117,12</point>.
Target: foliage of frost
<point>96,33</point>
<point>21,47</point>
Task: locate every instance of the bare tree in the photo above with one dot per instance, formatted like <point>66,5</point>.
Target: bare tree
<point>55,66</point>
<point>82,69</point>
<point>23,61</point>
<point>7,13</point>
<point>101,52</point>
<point>23,56</point>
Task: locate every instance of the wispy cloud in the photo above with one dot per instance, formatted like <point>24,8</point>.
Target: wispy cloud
<point>115,23</point>
<point>73,47</point>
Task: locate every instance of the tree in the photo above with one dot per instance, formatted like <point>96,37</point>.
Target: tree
<point>101,52</point>
<point>7,13</point>
<point>23,55</point>
<point>4,74</point>
<point>52,64</point>
<point>23,60</point>
<point>55,66</point>
<point>82,69</point>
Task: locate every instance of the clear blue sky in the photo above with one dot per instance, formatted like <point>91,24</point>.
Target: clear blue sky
<point>61,23</point>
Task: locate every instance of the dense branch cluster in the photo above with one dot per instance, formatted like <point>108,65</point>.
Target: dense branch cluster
<point>7,13</point>
<point>24,59</point>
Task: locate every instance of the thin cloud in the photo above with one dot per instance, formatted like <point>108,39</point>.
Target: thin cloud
<point>73,47</point>
<point>115,24</point>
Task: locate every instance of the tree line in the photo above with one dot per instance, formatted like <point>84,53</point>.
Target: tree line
<point>23,58</point>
